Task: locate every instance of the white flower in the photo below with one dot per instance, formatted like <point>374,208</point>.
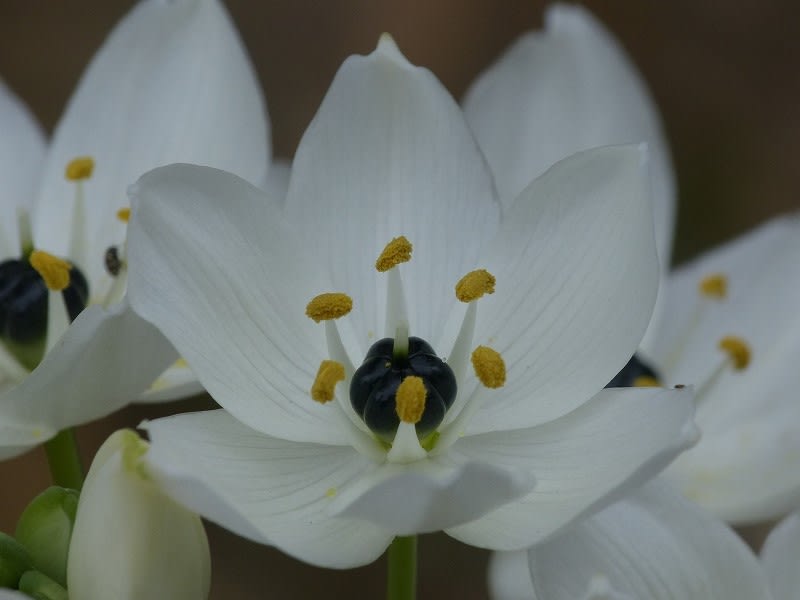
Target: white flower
<point>130,541</point>
<point>171,83</point>
<point>654,544</point>
<point>746,467</point>
<point>573,271</point>
<point>571,87</point>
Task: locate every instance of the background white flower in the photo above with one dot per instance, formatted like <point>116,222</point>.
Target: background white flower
<point>654,544</point>
<point>389,154</point>
<point>172,82</point>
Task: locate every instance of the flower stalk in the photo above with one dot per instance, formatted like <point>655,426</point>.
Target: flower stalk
<point>402,577</point>
<point>64,460</point>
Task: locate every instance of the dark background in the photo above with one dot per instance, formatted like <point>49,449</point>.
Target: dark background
<point>723,73</point>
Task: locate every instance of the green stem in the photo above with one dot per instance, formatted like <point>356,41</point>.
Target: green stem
<point>402,580</point>
<point>64,460</point>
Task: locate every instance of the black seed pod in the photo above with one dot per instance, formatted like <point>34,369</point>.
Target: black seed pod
<point>375,382</point>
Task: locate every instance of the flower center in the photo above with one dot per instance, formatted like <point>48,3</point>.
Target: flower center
<point>404,396</point>
<point>637,373</point>
<point>26,287</point>
<point>373,388</point>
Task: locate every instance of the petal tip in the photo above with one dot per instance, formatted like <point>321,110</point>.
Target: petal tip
<point>388,48</point>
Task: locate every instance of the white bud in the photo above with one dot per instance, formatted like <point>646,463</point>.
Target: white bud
<point>130,541</point>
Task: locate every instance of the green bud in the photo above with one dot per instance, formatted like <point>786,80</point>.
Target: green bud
<point>40,587</point>
<point>14,561</point>
<point>45,529</point>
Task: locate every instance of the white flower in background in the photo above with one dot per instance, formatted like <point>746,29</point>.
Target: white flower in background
<point>130,541</point>
<point>502,444</point>
<point>746,467</point>
<point>571,87</point>
<point>568,88</point>
<point>171,83</point>
<point>654,544</point>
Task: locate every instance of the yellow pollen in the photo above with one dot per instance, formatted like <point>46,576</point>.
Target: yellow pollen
<point>329,374</point>
<point>714,286</point>
<point>54,270</point>
<point>410,399</point>
<point>397,251</point>
<point>329,306</point>
<point>489,367</point>
<point>331,492</point>
<point>79,168</point>
<point>737,350</point>
<point>646,381</point>
<point>124,214</point>
<point>474,285</point>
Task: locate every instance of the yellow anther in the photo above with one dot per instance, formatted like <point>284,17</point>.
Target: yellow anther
<point>397,251</point>
<point>329,374</point>
<point>737,350</point>
<point>489,367</point>
<point>646,381</point>
<point>124,214</point>
<point>714,286</point>
<point>410,399</point>
<point>79,168</point>
<point>329,306</point>
<point>475,284</point>
<point>54,270</point>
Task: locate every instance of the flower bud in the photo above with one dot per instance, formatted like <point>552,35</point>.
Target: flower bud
<point>45,529</point>
<point>40,587</point>
<point>130,541</point>
<point>14,561</point>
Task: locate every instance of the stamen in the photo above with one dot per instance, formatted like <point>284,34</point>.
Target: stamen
<point>124,214</point>
<point>329,306</point>
<point>474,285</point>
<point>646,381</point>
<point>714,286</point>
<point>79,168</point>
<point>396,252</point>
<point>53,270</point>
<point>489,367</point>
<point>400,345</point>
<point>25,232</point>
<point>329,374</point>
<point>737,350</point>
<point>410,399</point>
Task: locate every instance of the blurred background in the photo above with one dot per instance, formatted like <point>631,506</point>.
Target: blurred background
<point>724,75</point>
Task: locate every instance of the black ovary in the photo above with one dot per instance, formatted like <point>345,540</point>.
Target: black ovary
<point>630,372</point>
<point>374,386</point>
<point>24,299</point>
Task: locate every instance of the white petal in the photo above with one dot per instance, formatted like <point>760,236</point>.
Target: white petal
<point>129,540</point>
<point>13,595</point>
<point>654,545</point>
<point>568,88</point>
<point>276,183</point>
<point>581,462</point>
<point>171,83</point>
<point>263,488</point>
<point>779,557</point>
<point>510,576</point>
<point>577,276</point>
<point>89,373</point>
<point>214,267</point>
<point>22,149</point>
<point>389,154</point>
<point>750,419</point>
<point>431,495</point>
<point>178,381</point>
